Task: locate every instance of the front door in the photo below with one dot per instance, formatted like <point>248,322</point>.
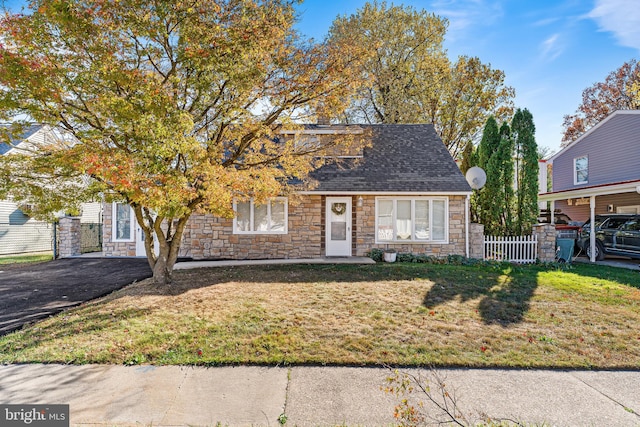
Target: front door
<point>338,226</point>
<point>140,250</point>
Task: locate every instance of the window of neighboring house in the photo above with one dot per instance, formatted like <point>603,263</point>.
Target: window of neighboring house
<point>581,170</point>
<point>122,223</point>
<point>268,218</point>
<point>414,220</point>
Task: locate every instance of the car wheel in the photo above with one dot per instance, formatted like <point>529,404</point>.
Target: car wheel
<point>599,251</point>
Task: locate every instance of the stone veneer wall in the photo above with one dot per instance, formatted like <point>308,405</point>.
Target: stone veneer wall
<point>110,248</point>
<point>207,236</point>
<point>366,223</point>
<point>210,237</point>
<point>546,242</point>
<point>70,234</point>
<point>476,241</point>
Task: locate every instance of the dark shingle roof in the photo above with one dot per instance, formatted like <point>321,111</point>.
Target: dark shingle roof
<point>4,147</point>
<point>402,158</point>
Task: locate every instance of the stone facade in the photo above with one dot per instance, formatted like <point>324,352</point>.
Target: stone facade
<point>365,229</point>
<point>109,247</point>
<point>207,237</point>
<point>210,237</point>
<point>70,234</point>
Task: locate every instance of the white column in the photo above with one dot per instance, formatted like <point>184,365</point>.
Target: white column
<point>466,225</point>
<point>592,234</point>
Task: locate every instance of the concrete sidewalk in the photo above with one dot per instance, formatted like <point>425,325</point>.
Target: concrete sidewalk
<point>313,396</point>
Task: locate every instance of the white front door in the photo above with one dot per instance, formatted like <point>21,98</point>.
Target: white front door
<point>338,226</point>
<point>140,250</point>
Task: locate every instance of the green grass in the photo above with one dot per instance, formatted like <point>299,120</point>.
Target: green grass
<point>398,314</point>
<point>20,259</point>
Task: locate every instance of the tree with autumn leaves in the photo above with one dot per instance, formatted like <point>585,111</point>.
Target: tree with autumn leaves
<point>620,90</point>
<point>172,106</point>
<point>410,79</point>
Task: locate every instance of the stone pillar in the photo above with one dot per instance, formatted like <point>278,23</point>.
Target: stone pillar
<point>70,237</point>
<point>546,242</point>
<point>476,240</point>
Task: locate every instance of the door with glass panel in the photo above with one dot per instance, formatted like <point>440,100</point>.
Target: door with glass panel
<point>338,226</point>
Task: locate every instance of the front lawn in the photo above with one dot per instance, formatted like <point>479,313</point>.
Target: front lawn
<point>396,314</point>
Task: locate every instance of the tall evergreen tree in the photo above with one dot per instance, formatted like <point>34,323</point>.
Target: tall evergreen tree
<point>506,170</point>
<point>489,142</point>
<point>487,211</point>
<point>524,130</point>
<point>469,159</point>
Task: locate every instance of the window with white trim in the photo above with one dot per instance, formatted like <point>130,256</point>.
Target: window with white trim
<point>268,218</point>
<point>581,170</point>
<point>122,223</point>
<point>408,220</point>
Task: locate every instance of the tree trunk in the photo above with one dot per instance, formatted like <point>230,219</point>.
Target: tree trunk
<point>169,247</point>
<point>162,271</point>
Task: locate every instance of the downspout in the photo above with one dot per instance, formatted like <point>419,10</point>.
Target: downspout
<point>466,222</point>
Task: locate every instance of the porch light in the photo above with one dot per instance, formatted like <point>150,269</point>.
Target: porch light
<point>360,201</point>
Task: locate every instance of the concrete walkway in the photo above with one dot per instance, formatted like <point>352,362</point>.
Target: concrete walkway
<point>187,265</point>
<point>313,396</point>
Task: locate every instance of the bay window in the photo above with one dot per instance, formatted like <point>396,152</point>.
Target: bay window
<point>267,218</point>
<point>407,220</point>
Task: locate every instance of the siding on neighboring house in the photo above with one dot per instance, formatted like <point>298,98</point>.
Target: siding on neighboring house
<point>91,213</point>
<point>21,234</point>
<point>613,150</point>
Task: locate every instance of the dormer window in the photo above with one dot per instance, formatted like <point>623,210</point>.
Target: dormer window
<point>581,170</point>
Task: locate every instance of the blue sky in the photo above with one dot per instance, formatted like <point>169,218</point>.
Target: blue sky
<point>550,50</point>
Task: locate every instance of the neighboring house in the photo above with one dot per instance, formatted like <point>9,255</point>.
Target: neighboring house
<point>20,233</point>
<point>599,172</point>
<point>403,192</point>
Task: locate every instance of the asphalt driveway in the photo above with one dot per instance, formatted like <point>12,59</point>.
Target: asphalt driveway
<point>31,292</point>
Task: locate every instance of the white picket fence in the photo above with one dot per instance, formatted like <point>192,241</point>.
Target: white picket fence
<point>518,249</point>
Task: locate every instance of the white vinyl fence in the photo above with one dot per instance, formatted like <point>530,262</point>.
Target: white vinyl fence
<point>518,249</point>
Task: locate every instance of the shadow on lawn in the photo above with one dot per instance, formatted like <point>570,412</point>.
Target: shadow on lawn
<point>504,296</point>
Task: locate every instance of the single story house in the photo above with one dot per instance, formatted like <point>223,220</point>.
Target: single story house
<point>404,191</point>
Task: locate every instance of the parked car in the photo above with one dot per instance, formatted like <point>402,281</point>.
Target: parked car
<point>616,234</point>
<point>565,227</point>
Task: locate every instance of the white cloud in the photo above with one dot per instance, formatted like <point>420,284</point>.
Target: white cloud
<point>465,14</point>
<point>620,17</point>
<point>552,47</point>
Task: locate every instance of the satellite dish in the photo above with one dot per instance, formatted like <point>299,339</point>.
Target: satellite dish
<point>476,177</point>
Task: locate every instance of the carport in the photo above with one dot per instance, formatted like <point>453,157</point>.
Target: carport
<point>590,195</point>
